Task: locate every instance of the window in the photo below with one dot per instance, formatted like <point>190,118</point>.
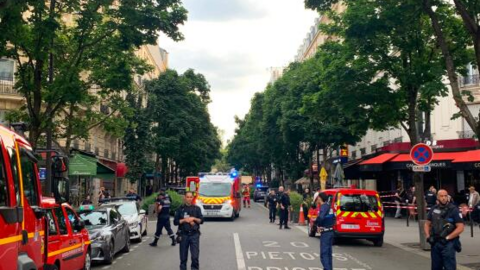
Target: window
<point>95,218</point>
<point>3,184</point>
<point>29,176</point>
<point>52,227</point>
<point>114,216</point>
<point>16,178</point>
<point>363,151</point>
<point>374,148</point>
<point>62,223</point>
<point>354,155</point>
<point>358,203</point>
<point>72,218</point>
<point>7,70</point>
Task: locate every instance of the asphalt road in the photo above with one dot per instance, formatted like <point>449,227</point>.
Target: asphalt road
<point>252,243</point>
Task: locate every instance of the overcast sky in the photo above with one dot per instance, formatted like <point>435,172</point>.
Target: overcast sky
<point>234,43</point>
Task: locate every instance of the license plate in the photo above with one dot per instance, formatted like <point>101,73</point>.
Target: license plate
<point>212,213</point>
<point>350,227</point>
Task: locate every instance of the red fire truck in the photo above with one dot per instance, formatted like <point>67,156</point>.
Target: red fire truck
<point>22,223</point>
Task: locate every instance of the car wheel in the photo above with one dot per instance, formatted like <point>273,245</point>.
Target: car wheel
<point>88,261</point>
<point>146,229</point>
<point>232,218</point>
<point>126,248</point>
<point>378,242</point>
<point>110,253</point>
<point>312,230</point>
<point>237,214</point>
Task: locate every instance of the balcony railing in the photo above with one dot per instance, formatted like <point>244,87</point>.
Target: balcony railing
<point>470,80</point>
<point>7,87</point>
<point>469,134</point>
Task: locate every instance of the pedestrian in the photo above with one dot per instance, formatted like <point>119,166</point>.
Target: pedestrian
<point>162,206</point>
<point>132,195</point>
<point>188,219</point>
<point>398,200</point>
<point>103,194</point>
<point>246,196</point>
<point>431,197</point>
<point>87,200</point>
<point>443,227</point>
<point>473,197</point>
<point>272,205</point>
<point>284,209</point>
<point>325,222</point>
<point>306,194</point>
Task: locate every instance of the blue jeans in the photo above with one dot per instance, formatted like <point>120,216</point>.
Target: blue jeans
<point>443,256</point>
<point>326,251</point>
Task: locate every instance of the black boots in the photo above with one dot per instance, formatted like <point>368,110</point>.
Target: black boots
<point>174,242</point>
<point>154,243</point>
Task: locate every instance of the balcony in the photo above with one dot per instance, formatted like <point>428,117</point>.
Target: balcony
<point>7,87</point>
<point>469,81</point>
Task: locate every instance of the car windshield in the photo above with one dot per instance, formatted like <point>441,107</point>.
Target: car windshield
<point>127,209</point>
<point>262,189</point>
<point>214,189</point>
<point>94,218</point>
<point>358,202</point>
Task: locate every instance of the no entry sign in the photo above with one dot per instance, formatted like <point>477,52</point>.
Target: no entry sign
<point>421,154</point>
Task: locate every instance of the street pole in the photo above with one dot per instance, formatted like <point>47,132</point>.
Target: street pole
<point>418,179</point>
<point>48,180</point>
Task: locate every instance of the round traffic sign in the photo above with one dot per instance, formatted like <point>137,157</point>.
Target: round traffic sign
<point>421,154</point>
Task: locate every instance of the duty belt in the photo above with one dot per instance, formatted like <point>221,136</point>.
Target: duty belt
<point>326,229</point>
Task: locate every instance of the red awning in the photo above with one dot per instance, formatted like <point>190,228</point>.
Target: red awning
<point>379,159</point>
<point>469,156</point>
<point>436,157</point>
<point>121,169</point>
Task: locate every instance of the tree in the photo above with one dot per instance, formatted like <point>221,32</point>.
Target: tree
<point>453,46</point>
<point>73,54</point>
<point>184,139</point>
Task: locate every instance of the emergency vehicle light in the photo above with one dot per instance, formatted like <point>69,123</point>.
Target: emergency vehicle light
<point>86,207</point>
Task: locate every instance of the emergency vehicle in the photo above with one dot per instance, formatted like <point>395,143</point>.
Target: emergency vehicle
<point>22,223</point>
<point>359,215</point>
<point>68,239</point>
<point>218,195</point>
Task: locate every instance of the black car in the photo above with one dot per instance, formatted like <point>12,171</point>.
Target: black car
<point>109,233</point>
<point>260,193</point>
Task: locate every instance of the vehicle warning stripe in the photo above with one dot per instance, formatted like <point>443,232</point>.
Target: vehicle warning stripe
<point>17,238</point>
<point>63,250</point>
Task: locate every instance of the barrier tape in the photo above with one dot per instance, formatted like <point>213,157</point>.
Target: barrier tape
<point>414,207</point>
<point>388,196</point>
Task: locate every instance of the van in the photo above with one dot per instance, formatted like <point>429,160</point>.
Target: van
<point>359,215</point>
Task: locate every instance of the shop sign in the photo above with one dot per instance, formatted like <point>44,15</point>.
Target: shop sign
<point>476,165</point>
<point>432,165</point>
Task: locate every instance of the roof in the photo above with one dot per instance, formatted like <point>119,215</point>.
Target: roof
<point>469,156</point>
<point>379,159</point>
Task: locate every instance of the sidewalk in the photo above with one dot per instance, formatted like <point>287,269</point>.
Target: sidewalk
<point>398,234</point>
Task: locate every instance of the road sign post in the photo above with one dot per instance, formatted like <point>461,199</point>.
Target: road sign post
<point>421,155</point>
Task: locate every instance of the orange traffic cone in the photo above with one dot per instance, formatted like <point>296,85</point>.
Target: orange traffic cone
<point>301,218</point>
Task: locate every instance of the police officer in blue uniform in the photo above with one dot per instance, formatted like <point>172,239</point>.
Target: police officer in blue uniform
<point>443,227</point>
<point>272,202</point>
<point>325,222</point>
<point>163,204</point>
<point>188,219</point>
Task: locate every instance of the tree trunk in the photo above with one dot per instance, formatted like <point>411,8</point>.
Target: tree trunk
<point>451,70</point>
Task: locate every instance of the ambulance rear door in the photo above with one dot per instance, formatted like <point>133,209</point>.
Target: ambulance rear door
<point>358,212</point>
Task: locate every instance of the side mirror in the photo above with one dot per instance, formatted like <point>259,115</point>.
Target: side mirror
<point>238,195</point>
<point>39,212</point>
<point>142,212</point>
<point>78,225</point>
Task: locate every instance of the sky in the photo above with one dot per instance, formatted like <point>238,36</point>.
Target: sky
<point>234,43</point>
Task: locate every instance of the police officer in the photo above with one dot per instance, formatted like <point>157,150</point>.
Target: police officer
<point>132,195</point>
<point>284,208</point>
<point>272,205</point>
<point>163,204</point>
<point>443,227</point>
<point>325,222</point>
<point>188,219</point>
<point>431,197</point>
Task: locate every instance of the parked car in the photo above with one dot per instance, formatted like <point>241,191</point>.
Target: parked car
<point>68,240</point>
<point>133,214</point>
<point>109,232</point>
<point>260,194</point>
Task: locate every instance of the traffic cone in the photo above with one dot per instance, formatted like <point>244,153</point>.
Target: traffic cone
<point>301,218</point>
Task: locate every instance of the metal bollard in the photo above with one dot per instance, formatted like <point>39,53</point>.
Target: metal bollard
<point>471,223</point>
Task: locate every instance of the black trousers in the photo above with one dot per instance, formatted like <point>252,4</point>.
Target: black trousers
<point>193,242</point>
<point>163,222</point>
<point>272,213</point>
<point>284,217</point>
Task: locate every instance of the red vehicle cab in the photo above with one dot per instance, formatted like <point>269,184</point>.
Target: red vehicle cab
<point>68,240</point>
<point>22,223</point>
<point>359,215</point>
